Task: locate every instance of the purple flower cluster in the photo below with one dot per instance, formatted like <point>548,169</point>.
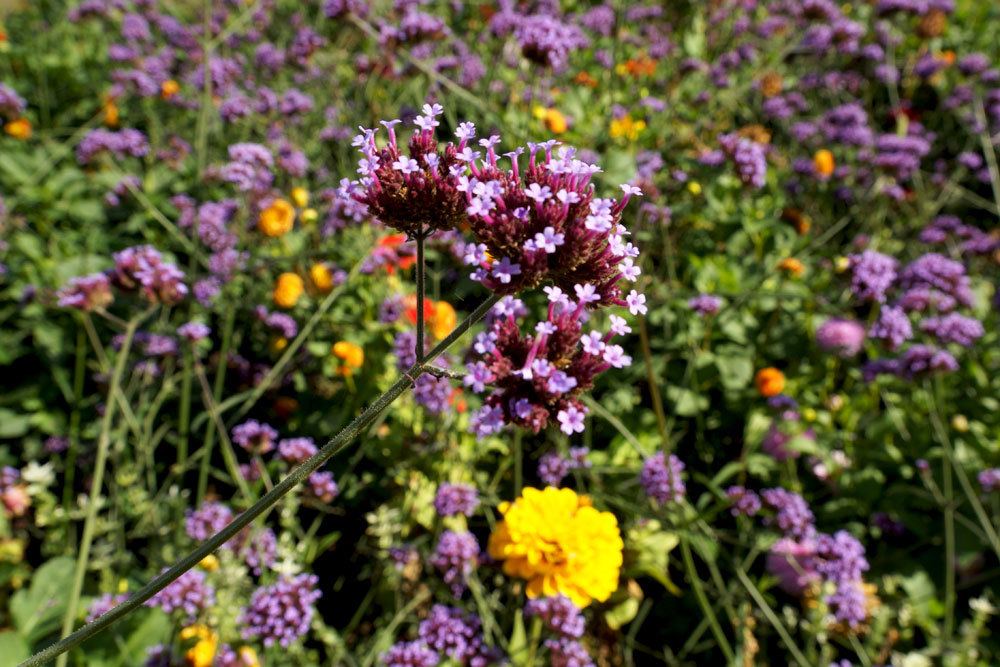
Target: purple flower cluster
<point>12,105</point>
<point>323,486</point>
<point>456,634</point>
<point>193,331</point>
<point>792,515</point>
<point>189,594</point>
<point>662,478</point>
<point>560,615</point>
<point>954,328</point>
<point>749,158</point>
<point>705,304</point>
<point>840,336</point>
<point>892,326</point>
<point>872,274</point>
<point>282,612</point>
<point>121,144</point>
<point>296,450</point>
<point>565,652</point>
<point>103,604</point>
<point>255,437</point>
<point>553,467</point>
<point>536,379</point>
<point>455,556</point>
<point>143,268</point>
<point>973,240</point>
<point>410,654</point>
<point>452,499</point>
<point>745,502</point>
<point>989,480</point>
<point>87,293</point>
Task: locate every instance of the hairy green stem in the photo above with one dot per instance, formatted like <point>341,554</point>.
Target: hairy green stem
<point>103,445</point>
<point>421,289</point>
<point>772,618</point>
<point>296,476</point>
<point>220,379</point>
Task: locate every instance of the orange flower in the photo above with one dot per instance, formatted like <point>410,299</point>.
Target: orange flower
<point>555,121</point>
<point>770,382</point>
<point>351,356</point>
<point>644,66</point>
<point>799,220</point>
<point>111,114</point>
<point>792,266</point>
<point>287,290</point>
<point>19,129</point>
<point>169,88</point>
<point>584,79</point>
<point>824,163</point>
<point>771,84</point>
<point>445,319</point>
<point>321,277</point>
<point>277,219</point>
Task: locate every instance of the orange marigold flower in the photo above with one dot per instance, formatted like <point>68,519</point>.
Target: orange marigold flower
<point>321,277</point>
<point>410,305</point>
<point>584,79</point>
<point>445,319</point>
<point>792,266</point>
<point>288,289</point>
<point>277,219</point>
<point>824,163</point>
<point>771,84</point>
<point>770,382</point>
<point>169,88</point>
<point>799,220</point>
<point>111,114</point>
<point>202,654</point>
<point>19,129</point>
<point>351,356</point>
<point>555,122</point>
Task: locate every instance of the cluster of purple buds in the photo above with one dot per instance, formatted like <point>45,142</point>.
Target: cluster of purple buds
<point>323,486</point>
<point>452,499</point>
<point>559,614</point>
<point>193,331</point>
<point>542,225</point>
<point>12,105</point>
<point>87,293</point>
<point>255,437</point>
<point>840,336</point>
<point>705,304</point>
<point>143,268</point>
<point>933,280</point>
<point>282,612</point>
<point>121,144</point>
<point>537,378</point>
<point>553,467</point>
<point>749,157</point>
<point>916,361</point>
<point>566,652</point>
<point>974,241</point>
<point>103,605</point>
<point>296,450</point>
<point>989,480</point>
<point>455,555</point>
<point>662,478</point>
<point>189,594</point>
<point>452,632</point>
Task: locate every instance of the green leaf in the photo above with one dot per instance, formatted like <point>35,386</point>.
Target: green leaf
<point>12,424</point>
<point>686,403</point>
<point>650,549</point>
<point>13,649</point>
<point>735,370</point>
<point>622,614</point>
<point>517,646</point>
<point>38,610</point>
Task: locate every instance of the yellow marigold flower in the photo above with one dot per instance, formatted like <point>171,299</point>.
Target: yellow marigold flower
<point>321,277</point>
<point>19,129</point>
<point>277,219</point>
<point>841,264</point>
<point>278,344</point>
<point>792,266</point>
<point>560,543</point>
<point>309,216</point>
<point>351,356</point>
<point>169,88</point>
<point>770,382</point>
<point>824,163</point>
<point>301,197</point>
<point>555,121</point>
<point>209,563</point>
<point>202,654</point>
<point>626,127</point>
<point>288,289</point>
<point>694,187</point>
<point>445,319</point>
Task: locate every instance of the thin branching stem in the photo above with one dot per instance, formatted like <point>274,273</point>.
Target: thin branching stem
<point>336,444</point>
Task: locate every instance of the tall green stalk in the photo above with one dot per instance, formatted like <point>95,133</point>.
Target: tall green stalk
<point>103,445</point>
<point>336,444</point>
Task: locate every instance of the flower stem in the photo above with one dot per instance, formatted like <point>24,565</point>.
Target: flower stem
<point>220,378</point>
<point>699,593</point>
<point>90,521</point>
<point>421,289</point>
<point>306,468</point>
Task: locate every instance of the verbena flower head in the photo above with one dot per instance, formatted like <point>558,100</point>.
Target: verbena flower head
<point>872,274</point>
<point>560,544</point>
<point>749,158</point>
<point>455,555</point>
<point>143,268</point>
<point>954,328</point>
<point>989,480</point>
<point>540,225</point>
<point>296,450</point>
<point>793,563</point>
<point>536,379</point>
<point>456,634</point>
<point>255,437</point>
<point>410,654</point>
<point>937,281</point>
<point>792,514</point>
<point>282,612</point>
<point>892,326</point>
<point>662,479</point>
<point>87,293</point>
<point>188,594</point>
<point>565,652</point>
<point>452,499</point>
<point>705,304</point>
<point>559,613</point>
<point>840,336</point>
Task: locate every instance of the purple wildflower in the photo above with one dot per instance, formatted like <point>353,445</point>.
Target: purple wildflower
<point>282,612</point>
<point>662,478</point>
<point>455,555</point>
<point>452,499</point>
